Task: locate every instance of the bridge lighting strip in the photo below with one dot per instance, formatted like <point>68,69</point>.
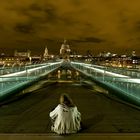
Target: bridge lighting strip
<point>91,65</point>
<point>49,64</point>
<point>108,73</point>
<point>22,72</point>
<point>55,63</point>
<point>135,81</point>
<point>99,70</point>
<point>30,70</point>
<point>125,78</point>
<point>13,74</point>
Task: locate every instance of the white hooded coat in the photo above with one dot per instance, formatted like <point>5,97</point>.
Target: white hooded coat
<point>66,119</point>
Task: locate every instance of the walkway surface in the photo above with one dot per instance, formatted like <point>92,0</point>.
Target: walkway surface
<point>28,113</point>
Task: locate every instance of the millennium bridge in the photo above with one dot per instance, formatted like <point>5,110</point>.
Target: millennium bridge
<point>107,97</point>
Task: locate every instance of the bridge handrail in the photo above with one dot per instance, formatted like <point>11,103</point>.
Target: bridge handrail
<point>117,70</point>
<point>13,81</point>
<point>9,70</point>
<point>128,86</point>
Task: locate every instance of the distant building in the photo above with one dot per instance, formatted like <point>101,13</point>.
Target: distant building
<point>105,54</point>
<point>65,50</point>
<point>45,55</point>
<point>133,53</point>
<point>22,54</point>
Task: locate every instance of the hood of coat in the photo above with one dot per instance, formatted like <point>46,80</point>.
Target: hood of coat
<point>66,108</point>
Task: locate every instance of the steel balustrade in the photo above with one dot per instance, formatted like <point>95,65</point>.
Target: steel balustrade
<point>17,79</point>
<point>127,85</point>
<point>121,80</point>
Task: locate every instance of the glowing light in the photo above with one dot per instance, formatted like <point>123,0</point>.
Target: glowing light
<point>119,82</point>
<point>16,81</point>
<point>99,70</point>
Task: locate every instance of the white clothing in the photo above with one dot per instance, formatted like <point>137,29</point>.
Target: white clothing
<point>66,119</point>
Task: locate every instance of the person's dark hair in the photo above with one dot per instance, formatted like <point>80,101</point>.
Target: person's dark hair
<point>65,99</point>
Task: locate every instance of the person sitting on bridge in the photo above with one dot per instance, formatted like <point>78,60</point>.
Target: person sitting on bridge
<point>66,117</point>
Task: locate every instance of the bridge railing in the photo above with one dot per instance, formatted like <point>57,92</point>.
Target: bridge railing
<point>8,84</point>
<point>124,71</point>
<point>13,81</point>
<point>127,86</point>
<point>14,69</point>
<point>135,73</point>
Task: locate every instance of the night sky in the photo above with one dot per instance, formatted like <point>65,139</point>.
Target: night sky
<point>96,25</point>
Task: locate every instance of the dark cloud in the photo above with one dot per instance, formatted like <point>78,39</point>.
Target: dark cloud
<point>24,28</point>
<point>35,7</point>
<point>93,40</point>
<point>94,24</point>
<point>76,2</point>
<point>88,40</point>
<point>137,26</point>
<point>51,13</point>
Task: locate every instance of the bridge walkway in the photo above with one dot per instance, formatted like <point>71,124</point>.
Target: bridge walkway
<point>28,112</point>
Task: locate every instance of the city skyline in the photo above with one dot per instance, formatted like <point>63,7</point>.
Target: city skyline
<point>97,25</point>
